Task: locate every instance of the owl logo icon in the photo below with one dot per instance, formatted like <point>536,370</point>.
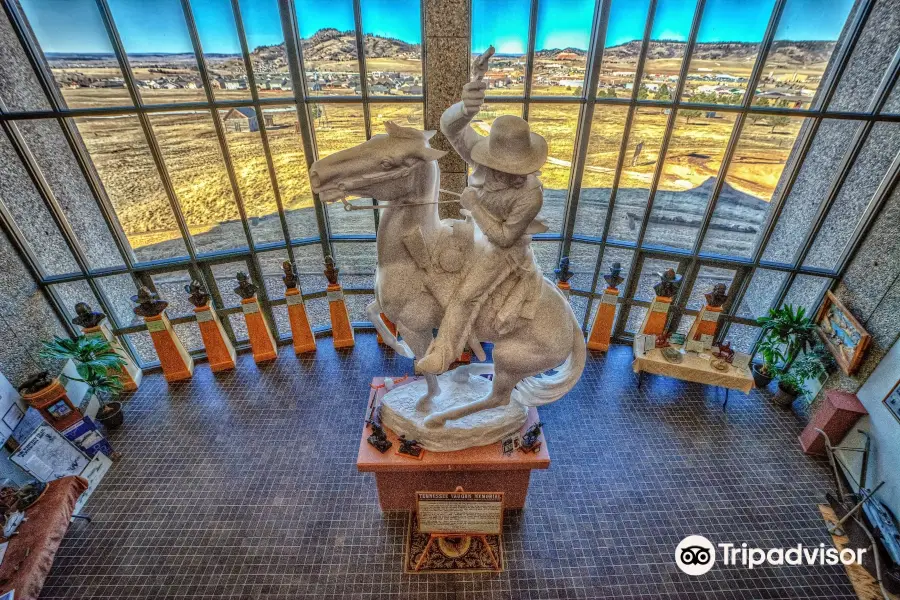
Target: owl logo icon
<point>695,555</point>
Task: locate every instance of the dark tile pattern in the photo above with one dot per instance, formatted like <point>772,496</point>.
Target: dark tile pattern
<point>244,485</point>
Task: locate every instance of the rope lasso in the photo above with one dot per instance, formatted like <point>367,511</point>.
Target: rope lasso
<point>350,207</point>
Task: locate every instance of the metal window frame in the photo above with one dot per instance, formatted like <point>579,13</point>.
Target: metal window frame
<point>690,261</point>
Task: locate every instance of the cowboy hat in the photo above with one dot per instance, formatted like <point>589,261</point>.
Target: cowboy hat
<point>511,147</point>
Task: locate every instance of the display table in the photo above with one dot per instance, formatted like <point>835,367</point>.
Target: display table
<point>31,551</point>
<point>693,368</point>
<point>481,469</point>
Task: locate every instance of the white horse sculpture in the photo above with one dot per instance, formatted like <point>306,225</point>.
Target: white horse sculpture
<point>422,260</point>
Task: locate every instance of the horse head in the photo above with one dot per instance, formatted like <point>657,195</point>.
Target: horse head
<point>387,167</point>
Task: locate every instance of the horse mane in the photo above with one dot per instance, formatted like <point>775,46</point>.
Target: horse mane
<point>408,133</point>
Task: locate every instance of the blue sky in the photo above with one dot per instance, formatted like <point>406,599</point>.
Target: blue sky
<point>158,25</point>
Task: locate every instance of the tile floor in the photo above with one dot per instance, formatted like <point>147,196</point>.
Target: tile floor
<point>244,485</point>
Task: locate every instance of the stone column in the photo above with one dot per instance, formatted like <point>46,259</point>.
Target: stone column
<point>447,45</point>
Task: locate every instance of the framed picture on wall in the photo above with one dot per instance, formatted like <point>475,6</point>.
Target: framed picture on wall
<point>892,401</point>
<point>842,334</point>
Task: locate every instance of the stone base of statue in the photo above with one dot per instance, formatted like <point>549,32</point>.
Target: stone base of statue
<point>400,414</point>
<point>480,469</point>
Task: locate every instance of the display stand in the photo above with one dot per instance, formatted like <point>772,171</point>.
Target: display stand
<point>130,375</point>
<point>656,317</point>
<point>391,327</point>
<point>601,330</point>
<point>219,351</point>
<point>175,361</point>
<point>706,323</point>
<point>261,341</point>
<point>341,330</point>
<point>398,478</point>
<point>301,332</point>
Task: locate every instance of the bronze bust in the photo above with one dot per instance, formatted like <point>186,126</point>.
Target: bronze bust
<point>245,288</point>
<point>563,274</point>
<point>668,285</point>
<point>331,271</point>
<point>198,295</point>
<point>148,303</point>
<point>614,277</point>
<point>290,274</point>
<point>87,318</point>
<point>718,296</point>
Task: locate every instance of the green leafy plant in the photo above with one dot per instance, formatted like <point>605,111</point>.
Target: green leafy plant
<point>770,350</point>
<point>811,365</point>
<point>94,358</point>
<point>789,329</point>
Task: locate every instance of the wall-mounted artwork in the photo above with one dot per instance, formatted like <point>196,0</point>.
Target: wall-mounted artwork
<point>844,336</point>
<point>892,401</point>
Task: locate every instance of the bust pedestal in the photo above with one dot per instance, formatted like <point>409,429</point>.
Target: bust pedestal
<point>341,330</point>
<point>219,351</point>
<point>261,341</point>
<point>130,375</point>
<point>301,332</point>
<point>706,323</point>
<point>656,317</point>
<point>481,469</point>
<point>175,361</point>
<point>391,327</point>
<point>601,330</point>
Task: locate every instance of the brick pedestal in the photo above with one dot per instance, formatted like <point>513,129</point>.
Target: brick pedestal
<point>838,414</point>
<point>601,330</point>
<point>706,323</point>
<point>261,341</point>
<point>655,319</point>
<point>301,332</point>
<point>219,350</point>
<point>175,361</point>
<point>341,330</point>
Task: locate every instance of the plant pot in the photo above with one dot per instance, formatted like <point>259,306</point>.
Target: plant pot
<point>783,397</point>
<point>111,415</point>
<point>759,379</point>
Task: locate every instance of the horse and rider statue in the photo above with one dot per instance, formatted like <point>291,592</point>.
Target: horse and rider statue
<point>473,279</point>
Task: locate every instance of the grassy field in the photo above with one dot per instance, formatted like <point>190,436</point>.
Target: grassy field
<point>190,150</point>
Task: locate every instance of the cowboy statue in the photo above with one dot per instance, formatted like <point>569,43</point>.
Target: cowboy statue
<point>504,197</point>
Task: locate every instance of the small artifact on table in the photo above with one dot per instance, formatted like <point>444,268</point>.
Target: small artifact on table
<point>410,448</point>
<point>672,355</point>
<point>724,352</point>
<point>662,340</point>
<point>531,441</point>
<point>378,438</point>
<point>677,339</point>
<point>719,364</point>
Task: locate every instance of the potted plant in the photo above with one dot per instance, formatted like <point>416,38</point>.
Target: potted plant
<point>810,365</point>
<point>772,356</point>
<point>791,329</point>
<point>94,360</point>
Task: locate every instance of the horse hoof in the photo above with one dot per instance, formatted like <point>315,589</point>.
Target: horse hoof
<point>424,403</point>
<point>434,421</point>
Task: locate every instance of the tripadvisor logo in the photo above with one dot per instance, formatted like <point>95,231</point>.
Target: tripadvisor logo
<point>696,555</point>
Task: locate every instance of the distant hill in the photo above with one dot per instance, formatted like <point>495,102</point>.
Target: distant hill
<point>795,53</point>
<point>331,45</point>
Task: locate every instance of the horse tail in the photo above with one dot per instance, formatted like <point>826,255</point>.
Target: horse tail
<point>544,389</point>
<point>373,311</point>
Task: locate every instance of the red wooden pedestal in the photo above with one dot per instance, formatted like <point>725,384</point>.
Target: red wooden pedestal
<point>838,414</point>
<point>483,469</point>
<point>601,330</point>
